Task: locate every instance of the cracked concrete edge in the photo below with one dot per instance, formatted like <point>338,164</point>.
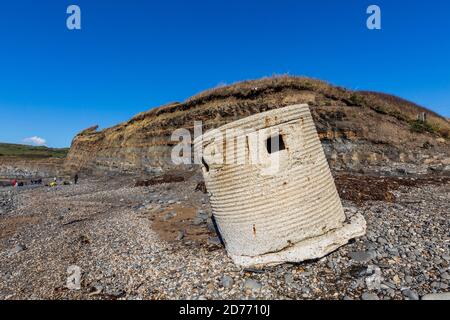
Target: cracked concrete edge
<point>312,248</point>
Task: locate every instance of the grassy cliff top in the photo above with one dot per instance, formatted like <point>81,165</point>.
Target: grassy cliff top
<point>25,151</point>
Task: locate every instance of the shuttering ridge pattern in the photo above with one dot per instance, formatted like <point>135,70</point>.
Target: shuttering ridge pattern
<point>259,214</point>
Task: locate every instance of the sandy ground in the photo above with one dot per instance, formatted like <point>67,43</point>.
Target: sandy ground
<point>156,242</point>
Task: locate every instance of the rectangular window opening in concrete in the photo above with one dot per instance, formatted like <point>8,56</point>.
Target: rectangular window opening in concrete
<point>275,144</point>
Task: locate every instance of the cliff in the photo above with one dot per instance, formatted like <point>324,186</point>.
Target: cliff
<point>359,130</point>
<point>28,162</point>
<point>21,168</point>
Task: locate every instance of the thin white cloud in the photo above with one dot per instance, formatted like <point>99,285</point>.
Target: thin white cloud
<point>35,141</point>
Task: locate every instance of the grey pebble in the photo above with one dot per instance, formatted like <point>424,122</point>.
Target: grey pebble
<point>362,256</point>
<point>197,221</point>
<point>251,284</point>
<point>227,281</point>
<point>17,249</point>
<point>214,241</point>
<point>288,278</point>
<point>180,235</point>
<point>369,296</point>
<point>410,294</point>
<point>169,216</point>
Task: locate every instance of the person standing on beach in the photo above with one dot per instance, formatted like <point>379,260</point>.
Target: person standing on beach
<point>75,178</point>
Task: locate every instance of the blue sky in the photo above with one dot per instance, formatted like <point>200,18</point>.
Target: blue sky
<point>133,55</point>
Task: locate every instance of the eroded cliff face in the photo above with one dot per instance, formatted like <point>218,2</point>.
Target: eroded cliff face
<point>358,130</point>
<point>26,168</point>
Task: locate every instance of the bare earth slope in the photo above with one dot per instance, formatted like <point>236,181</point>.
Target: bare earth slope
<point>358,129</point>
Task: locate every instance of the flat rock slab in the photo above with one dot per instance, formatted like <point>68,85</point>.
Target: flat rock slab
<point>362,256</point>
<point>437,296</point>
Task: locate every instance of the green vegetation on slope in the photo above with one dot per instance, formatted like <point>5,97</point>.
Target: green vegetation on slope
<point>24,151</point>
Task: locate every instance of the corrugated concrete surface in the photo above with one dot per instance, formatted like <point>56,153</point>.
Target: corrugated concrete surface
<point>271,189</point>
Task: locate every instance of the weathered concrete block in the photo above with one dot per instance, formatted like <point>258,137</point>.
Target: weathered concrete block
<point>274,202</point>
